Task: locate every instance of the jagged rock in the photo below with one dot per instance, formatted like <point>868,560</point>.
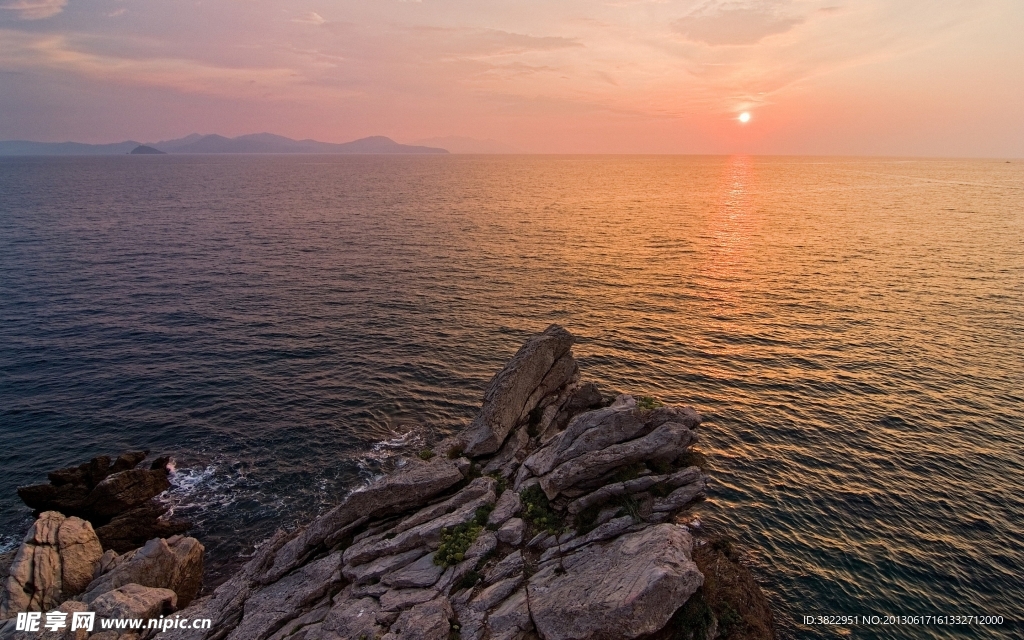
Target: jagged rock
<point>507,398</point>
<point>353,618</point>
<point>106,562</point>
<point>135,601</point>
<point>426,621</point>
<point>422,573</point>
<point>511,532</point>
<point>680,497</point>
<point>508,505</point>
<point>267,610</point>
<point>477,488</point>
<point>80,551</point>
<point>363,573</point>
<point>510,565</point>
<point>664,443</point>
<point>495,593</point>
<point>506,455</point>
<point>625,589</point>
<point>512,618</point>
<point>611,529</point>
<point>131,529</point>
<point>408,487</point>
<point>175,564</point>
<point>122,491</point>
<point>428,533</point>
<point>34,581</point>
<point>401,599</point>
<point>686,476</point>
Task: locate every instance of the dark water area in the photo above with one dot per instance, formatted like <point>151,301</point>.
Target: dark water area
<point>286,327</point>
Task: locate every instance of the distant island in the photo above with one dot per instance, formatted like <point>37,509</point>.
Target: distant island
<point>196,143</point>
<point>143,150</point>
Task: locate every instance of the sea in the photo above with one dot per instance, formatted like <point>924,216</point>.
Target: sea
<point>290,327</point>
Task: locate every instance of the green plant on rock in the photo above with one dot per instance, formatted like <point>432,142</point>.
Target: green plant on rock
<point>586,520</point>
<point>630,507</point>
<point>648,403</point>
<point>426,454</point>
<point>629,472</point>
<point>500,483</point>
<point>538,512</point>
<point>455,541</point>
<point>482,513</point>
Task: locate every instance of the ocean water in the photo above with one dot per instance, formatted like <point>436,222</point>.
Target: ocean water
<point>287,327</point>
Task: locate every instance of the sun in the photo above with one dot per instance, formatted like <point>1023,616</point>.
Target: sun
<point>744,117</point>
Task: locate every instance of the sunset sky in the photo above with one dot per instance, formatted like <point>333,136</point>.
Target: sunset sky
<point>860,77</point>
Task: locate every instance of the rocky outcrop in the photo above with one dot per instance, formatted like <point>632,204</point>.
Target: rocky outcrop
<point>572,535</point>
<point>175,564</point>
<point>115,497</point>
<point>55,562</point>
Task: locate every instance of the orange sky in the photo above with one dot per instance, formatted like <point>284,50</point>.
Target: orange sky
<point>858,77</point>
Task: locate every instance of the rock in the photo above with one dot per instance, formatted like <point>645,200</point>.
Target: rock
<point>625,589</point>
<point>106,562</point>
<point>508,505</point>
<point>120,492</point>
<point>609,491</point>
<point>477,488</point>
<point>270,608</point>
<point>422,573</point>
<point>506,400</point>
<point>510,565</point>
<point>135,601</point>
<point>495,593</point>
<point>587,432</point>
<point>426,621</point>
<point>80,551</point>
<point>428,533</point>
<point>350,619</point>
<point>34,582</point>
<point>400,599</point>
<point>666,442</point>
<point>511,532</point>
<point>611,529</point>
<point>508,452</point>
<point>364,573</point>
<point>680,497</point>
<point>131,529</point>
<point>512,618</point>
<point>175,564</point>
<point>408,487</point>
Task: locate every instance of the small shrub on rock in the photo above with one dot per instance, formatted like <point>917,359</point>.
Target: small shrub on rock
<point>454,543</point>
<point>538,512</point>
<point>426,454</point>
<point>648,403</point>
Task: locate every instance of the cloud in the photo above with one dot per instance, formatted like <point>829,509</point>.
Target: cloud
<point>734,23</point>
<point>312,18</point>
<point>35,9</point>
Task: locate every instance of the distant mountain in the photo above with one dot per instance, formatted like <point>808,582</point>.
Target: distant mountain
<point>143,150</point>
<point>27,148</point>
<point>196,143</point>
<point>460,144</point>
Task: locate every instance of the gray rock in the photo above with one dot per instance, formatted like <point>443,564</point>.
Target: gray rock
<point>609,491</point>
<point>508,451</point>
<point>307,626</point>
<point>625,589</point>
<point>508,505</point>
<point>107,561</point>
<point>497,592</point>
<point>353,618</point>
<point>510,565</point>
<point>175,564</point>
<point>587,432</point>
<point>680,497</point>
<point>267,610</point>
<point>80,551</point>
<point>428,533</point>
<point>34,578</point>
<point>666,442</point>
<point>134,601</point>
<point>507,395</point>
<point>364,573</point>
<point>477,488</point>
<point>511,532</point>
<point>401,599</point>
<point>512,618</point>
<point>427,621</point>
<point>422,573</point>
<point>606,531</point>
<point>120,492</point>
<point>407,487</point>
